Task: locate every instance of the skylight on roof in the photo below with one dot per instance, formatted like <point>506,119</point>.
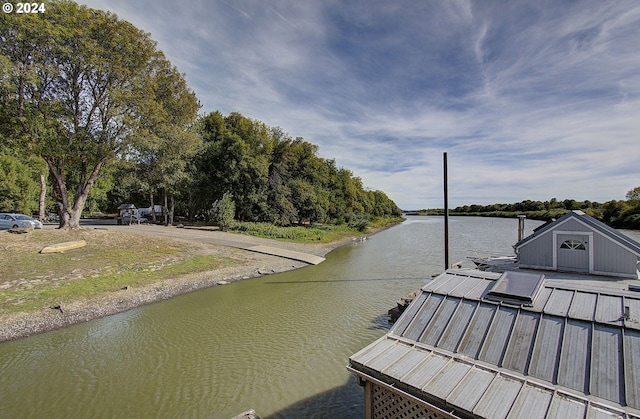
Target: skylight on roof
<point>516,287</point>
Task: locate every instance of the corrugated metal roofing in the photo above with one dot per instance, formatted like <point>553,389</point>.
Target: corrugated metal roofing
<point>572,353</point>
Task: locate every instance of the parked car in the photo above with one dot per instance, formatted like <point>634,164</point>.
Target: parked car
<point>11,220</point>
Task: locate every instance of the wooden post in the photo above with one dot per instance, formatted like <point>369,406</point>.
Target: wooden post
<point>368,400</point>
<point>446,213</point>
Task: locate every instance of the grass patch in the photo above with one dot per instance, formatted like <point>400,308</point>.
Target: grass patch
<point>381,222</point>
<point>110,261</point>
<point>313,233</point>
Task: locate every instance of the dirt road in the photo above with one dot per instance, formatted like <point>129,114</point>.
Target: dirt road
<point>308,253</point>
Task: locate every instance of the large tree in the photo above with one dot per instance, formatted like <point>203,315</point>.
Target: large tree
<point>235,158</point>
<point>166,139</point>
<point>75,91</point>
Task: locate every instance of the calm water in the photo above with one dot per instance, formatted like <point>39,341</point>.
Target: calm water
<point>278,344</point>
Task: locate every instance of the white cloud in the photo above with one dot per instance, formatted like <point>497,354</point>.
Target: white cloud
<point>532,100</point>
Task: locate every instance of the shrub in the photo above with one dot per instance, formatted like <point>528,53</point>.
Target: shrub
<point>223,211</point>
<point>358,221</point>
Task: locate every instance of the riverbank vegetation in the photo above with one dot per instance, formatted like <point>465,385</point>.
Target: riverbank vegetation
<point>616,213</point>
<point>274,178</point>
<point>313,233</point>
<point>86,126</point>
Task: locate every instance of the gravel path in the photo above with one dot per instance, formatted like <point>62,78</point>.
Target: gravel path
<point>215,236</point>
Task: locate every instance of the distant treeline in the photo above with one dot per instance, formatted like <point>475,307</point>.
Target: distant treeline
<point>618,214</point>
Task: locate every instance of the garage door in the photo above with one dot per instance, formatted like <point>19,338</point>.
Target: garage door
<point>573,252</point>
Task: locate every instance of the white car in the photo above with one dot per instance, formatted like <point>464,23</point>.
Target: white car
<point>11,220</point>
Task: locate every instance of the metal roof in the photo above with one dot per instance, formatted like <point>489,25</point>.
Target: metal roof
<point>590,222</point>
<point>126,206</point>
<point>572,353</point>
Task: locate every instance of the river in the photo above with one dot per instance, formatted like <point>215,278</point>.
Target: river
<point>278,344</point>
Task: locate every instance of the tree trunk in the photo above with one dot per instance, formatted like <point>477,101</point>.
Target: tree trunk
<point>43,194</point>
<point>70,215</point>
<point>171,208</point>
<point>153,207</point>
<point>76,211</point>
<point>60,193</point>
<point>164,210</point>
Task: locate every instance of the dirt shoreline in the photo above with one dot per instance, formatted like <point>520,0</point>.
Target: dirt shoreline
<point>252,265</point>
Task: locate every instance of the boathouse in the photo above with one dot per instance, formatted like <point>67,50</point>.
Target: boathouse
<point>577,242</point>
<point>477,344</point>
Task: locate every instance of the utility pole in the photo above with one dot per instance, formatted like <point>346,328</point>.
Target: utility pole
<point>446,213</point>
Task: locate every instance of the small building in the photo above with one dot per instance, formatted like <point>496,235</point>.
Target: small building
<point>577,242</point>
<point>126,213</point>
<point>517,344</point>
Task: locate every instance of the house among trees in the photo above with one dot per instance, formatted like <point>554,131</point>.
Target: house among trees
<point>518,344</point>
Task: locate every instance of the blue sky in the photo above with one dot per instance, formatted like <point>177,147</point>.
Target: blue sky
<point>530,99</point>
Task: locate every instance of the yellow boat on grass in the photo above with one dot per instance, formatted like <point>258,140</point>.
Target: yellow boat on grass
<point>63,247</point>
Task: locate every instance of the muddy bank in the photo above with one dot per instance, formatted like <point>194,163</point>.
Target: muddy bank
<point>250,265</point>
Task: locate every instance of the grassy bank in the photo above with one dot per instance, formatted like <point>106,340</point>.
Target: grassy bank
<point>117,271</point>
<point>314,233</point>
<point>110,262</point>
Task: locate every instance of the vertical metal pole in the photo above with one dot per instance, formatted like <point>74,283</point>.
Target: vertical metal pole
<point>446,213</point>
<point>521,227</point>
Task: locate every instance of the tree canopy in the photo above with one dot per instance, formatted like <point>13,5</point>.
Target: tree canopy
<point>79,89</point>
<point>634,194</point>
<point>88,99</point>
<point>276,178</point>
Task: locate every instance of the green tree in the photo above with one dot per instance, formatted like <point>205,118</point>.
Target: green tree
<point>612,212</point>
<point>209,163</point>
<point>253,145</point>
<point>277,178</point>
<point>235,157</point>
<point>299,181</point>
<point>281,209</point>
<point>127,185</point>
<point>78,82</point>
<point>383,206</point>
<point>305,200</point>
<point>18,189</point>
<point>222,211</point>
<point>166,140</point>
<point>634,194</point>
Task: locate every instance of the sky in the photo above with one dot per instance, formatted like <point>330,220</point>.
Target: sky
<point>529,99</point>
